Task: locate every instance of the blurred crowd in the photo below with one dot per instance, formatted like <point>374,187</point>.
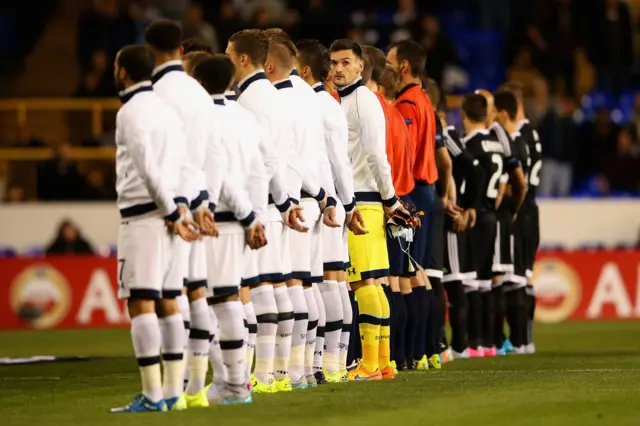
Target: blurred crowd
<point>578,66</point>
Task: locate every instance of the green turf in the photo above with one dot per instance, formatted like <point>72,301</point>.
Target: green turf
<point>584,374</point>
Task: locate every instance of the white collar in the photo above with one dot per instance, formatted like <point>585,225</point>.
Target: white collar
<point>136,86</point>
<point>159,68</point>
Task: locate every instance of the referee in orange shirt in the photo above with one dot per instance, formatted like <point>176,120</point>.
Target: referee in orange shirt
<point>409,59</point>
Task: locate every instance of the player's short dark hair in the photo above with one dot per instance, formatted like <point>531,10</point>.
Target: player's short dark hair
<point>163,35</point>
<point>313,54</point>
<point>506,101</point>
<point>194,58</point>
<point>514,87</point>
<point>346,44</point>
<point>389,80</point>
<point>281,47</point>
<point>474,107</point>
<point>138,61</point>
<point>251,43</point>
<point>195,44</point>
<point>367,69</point>
<point>414,54</point>
<point>433,90</point>
<point>378,61</point>
<point>215,73</point>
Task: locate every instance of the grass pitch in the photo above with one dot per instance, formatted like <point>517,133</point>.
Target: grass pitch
<point>583,374</point>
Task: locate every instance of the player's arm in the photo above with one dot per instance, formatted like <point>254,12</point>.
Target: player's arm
<point>474,177</point>
<point>310,154</point>
<point>371,127</point>
<point>337,141</point>
<point>258,184</point>
<point>443,163</point>
<point>138,141</point>
<point>216,162</point>
<point>502,189</point>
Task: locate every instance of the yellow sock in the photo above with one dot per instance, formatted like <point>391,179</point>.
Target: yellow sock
<point>384,356</point>
<point>369,318</point>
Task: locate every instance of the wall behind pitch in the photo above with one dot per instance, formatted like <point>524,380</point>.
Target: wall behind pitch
<point>564,222</point>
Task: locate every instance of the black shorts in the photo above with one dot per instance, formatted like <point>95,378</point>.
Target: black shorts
<point>424,198</point>
<point>503,252</point>
<point>483,243</point>
<point>458,257</point>
<point>436,243</point>
<point>517,278</point>
<point>399,263</point>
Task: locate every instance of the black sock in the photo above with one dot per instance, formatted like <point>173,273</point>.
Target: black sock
<point>488,317</point>
<point>392,317</point>
<point>422,304</point>
<point>511,308</point>
<point>517,306</point>
<point>457,315</point>
<point>411,327</point>
<point>355,345</point>
<point>441,311</point>
<point>531,312</point>
<point>433,325</point>
<point>398,348</point>
<point>474,318</point>
<point>499,309</point>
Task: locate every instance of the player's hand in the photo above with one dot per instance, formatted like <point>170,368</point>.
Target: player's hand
<point>452,210</point>
<point>329,218</point>
<point>295,219</point>
<point>256,237</point>
<point>204,219</point>
<point>460,222</point>
<point>514,218</point>
<point>355,222</point>
<point>472,217</point>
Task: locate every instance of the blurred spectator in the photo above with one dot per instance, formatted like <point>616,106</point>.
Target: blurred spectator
<point>139,14</point>
<point>173,9</point>
<point>621,169</point>
<point>404,20</point>
<point>195,26</point>
<point>96,188</point>
<point>265,12</point>
<point>98,81</point>
<point>493,14</point>
<point>441,52</point>
<point>610,45</point>
<point>15,194</point>
<point>523,70</point>
<point>597,140</point>
<point>555,34</point>
<point>97,30</point>
<point>557,136</point>
<point>228,21</point>
<point>69,240</point>
<point>314,16</point>
<point>26,139</point>
<point>58,179</point>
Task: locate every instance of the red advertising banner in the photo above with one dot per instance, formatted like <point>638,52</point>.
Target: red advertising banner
<point>64,292</point>
<point>81,292</point>
<point>587,285</point>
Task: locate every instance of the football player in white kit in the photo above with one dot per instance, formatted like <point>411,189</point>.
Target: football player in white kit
<point>307,155</point>
<point>245,174</point>
<point>313,68</point>
<point>266,268</point>
<point>195,108</point>
<point>150,166</point>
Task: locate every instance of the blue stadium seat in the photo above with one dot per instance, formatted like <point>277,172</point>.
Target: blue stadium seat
<point>7,252</point>
<point>34,252</point>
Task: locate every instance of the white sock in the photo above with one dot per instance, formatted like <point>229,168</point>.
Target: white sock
<point>347,320</point>
<point>330,293</point>
<point>172,332</point>
<point>252,326</point>
<point>266,310</point>
<point>198,346</point>
<point>145,335</point>
<point>322,322</point>
<point>312,328</point>
<point>298,339</point>
<point>215,353</point>
<point>183,307</point>
<point>284,333</point>
<point>231,322</point>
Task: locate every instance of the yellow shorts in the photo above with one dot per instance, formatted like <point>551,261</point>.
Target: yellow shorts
<point>368,253</point>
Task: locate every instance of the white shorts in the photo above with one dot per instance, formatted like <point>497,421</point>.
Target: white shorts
<point>177,266</point>
<point>271,263</point>
<point>300,242</point>
<point>225,260</point>
<point>317,253</point>
<point>197,274</point>
<point>334,243</point>
<point>143,253</point>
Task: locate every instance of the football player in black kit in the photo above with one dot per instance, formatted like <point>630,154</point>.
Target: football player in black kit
<point>495,158</point>
<point>528,224</point>
<point>513,283</point>
<point>459,266</point>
